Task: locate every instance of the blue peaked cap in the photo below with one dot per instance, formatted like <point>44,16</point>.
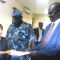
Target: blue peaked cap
<point>17,13</point>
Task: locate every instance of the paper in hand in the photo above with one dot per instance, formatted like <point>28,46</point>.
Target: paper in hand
<point>20,53</point>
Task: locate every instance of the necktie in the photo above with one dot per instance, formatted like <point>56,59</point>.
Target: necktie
<point>48,35</point>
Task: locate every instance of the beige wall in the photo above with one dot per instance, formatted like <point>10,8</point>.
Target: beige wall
<point>40,18</point>
<point>27,18</point>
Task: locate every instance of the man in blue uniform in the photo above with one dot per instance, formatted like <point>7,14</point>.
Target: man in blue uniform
<point>19,35</point>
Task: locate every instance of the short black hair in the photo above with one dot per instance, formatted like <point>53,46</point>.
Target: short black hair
<point>1,26</point>
<point>41,23</point>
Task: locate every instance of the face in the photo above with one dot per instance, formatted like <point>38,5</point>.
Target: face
<point>54,17</point>
<point>17,20</point>
<point>1,31</point>
<point>53,12</point>
<point>51,18</point>
<point>40,25</point>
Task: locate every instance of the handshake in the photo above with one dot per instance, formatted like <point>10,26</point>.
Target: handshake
<point>17,53</point>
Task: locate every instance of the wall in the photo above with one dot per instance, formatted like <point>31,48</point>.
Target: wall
<point>27,17</point>
<point>40,18</point>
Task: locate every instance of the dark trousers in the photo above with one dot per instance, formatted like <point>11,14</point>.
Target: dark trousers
<point>45,57</point>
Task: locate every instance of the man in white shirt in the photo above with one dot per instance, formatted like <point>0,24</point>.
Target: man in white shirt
<point>41,31</point>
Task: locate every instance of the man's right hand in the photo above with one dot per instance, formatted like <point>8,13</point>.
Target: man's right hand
<point>10,51</point>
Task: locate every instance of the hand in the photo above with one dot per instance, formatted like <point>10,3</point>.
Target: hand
<point>10,51</point>
<point>33,53</point>
<point>3,52</point>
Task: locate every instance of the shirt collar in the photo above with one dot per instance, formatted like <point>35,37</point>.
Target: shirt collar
<point>56,22</point>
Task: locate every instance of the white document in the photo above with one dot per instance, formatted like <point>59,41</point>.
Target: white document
<point>19,53</point>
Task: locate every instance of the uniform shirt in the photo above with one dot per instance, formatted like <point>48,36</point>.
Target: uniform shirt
<point>19,37</point>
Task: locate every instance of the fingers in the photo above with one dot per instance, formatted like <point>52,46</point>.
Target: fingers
<point>10,52</point>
